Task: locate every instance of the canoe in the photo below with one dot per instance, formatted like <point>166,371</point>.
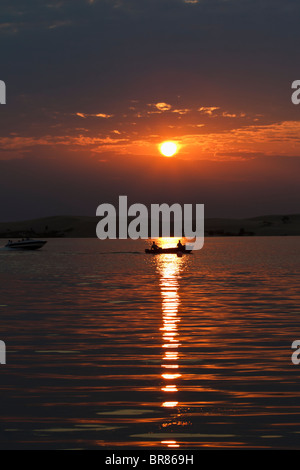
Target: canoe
<point>167,251</point>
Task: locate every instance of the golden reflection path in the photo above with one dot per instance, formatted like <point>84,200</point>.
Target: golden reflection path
<point>169,267</point>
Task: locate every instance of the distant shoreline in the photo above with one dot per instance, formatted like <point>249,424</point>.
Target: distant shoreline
<point>85,227</point>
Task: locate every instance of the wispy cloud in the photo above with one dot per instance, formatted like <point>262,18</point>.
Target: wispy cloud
<point>281,138</point>
<point>162,106</point>
<point>59,24</point>
<point>9,28</point>
<point>99,115</point>
<point>229,115</point>
<point>181,111</point>
<point>208,109</point>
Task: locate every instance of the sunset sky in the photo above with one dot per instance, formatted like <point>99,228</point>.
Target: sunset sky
<point>94,86</point>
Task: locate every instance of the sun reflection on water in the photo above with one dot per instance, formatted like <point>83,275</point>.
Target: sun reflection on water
<point>169,267</point>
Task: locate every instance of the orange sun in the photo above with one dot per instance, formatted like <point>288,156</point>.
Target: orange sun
<point>168,149</point>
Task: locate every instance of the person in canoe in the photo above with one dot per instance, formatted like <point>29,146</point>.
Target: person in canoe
<point>180,246</point>
<point>154,246</point>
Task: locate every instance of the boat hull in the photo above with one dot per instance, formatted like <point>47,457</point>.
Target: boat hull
<point>160,251</point>
<point>26,245</point>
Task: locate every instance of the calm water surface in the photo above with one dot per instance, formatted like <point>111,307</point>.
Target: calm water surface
<point>110,348</point>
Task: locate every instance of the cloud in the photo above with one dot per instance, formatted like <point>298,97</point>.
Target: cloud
<point>229,115</point>
<point>181,111</point>
<point>163,106</point>
<point>281,138</point>
<point>9,28</point>
<point>196,140</point>
<point>59,24</point>
<point>114,57</point>
<point>208,109</point>
<point>99,115</point>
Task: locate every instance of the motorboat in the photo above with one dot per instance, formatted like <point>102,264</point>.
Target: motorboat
<point>25,244</point>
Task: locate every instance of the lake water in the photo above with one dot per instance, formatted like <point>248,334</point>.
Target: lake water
<point>109,348</point>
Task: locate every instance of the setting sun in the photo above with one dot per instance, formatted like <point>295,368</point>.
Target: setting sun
<point>168,149</point>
